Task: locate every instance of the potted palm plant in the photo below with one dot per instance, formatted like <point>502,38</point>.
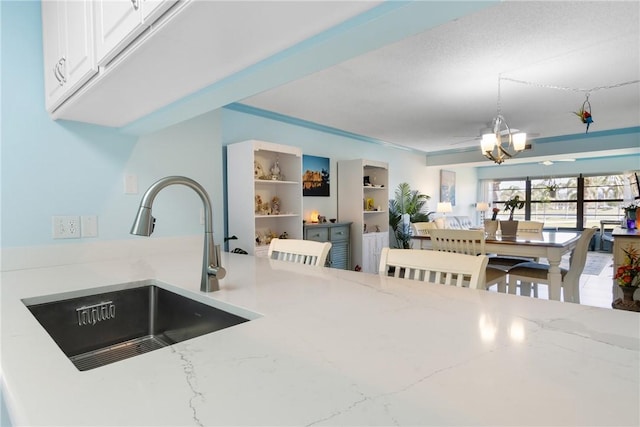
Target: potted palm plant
<point>406,207</point>
<point>510,228</point>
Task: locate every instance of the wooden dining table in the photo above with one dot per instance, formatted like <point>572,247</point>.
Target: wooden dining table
<point>552,246</point>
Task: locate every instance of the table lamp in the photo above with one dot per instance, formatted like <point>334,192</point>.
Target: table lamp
<point>482,207</point>
<point>444,208</point>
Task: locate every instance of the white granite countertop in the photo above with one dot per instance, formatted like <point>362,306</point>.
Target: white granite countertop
<point>332,347</point>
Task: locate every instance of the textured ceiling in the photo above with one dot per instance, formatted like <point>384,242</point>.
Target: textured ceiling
<point>435,91</point>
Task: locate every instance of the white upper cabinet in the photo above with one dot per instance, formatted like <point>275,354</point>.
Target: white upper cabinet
<point>69,61</point>
<point>119,22</point>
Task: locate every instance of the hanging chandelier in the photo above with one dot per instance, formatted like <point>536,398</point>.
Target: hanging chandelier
<point>502,144</point>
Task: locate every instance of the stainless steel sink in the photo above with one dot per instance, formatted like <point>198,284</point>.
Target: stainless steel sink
<point>121,321</point>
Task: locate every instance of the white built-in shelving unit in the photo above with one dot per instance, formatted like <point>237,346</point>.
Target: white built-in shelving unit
<point>363,198</point>
<point>252,173</point>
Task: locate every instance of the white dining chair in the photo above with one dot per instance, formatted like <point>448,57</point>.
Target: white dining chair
<point>530,229</point>
<point>526,230</point>
<point>435,267</point>
<point>536,273</point>
<point>422,229</point>
<point>469,242</point>
<point>307,252</point>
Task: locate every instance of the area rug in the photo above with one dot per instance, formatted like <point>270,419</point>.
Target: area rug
<point>596,262</point>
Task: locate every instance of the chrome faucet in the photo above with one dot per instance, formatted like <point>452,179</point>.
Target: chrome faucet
<point>145,223</point>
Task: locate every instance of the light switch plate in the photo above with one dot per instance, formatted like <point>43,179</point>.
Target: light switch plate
<point>130,184</point>
<point>89,226</point>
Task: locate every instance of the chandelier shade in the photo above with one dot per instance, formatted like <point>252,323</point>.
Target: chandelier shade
<point>501,143</point>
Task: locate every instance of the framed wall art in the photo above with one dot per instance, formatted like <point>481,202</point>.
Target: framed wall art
<point>315,176</point>
<point>448,186</point>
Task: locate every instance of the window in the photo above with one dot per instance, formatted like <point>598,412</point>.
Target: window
<point>568,202</point>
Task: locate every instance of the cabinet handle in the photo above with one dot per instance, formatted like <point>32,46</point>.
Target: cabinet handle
<point>316,235</point>
<point>56,73</point>
<point>61,70</point>
<point>135,4</point>
<point>340,232</point>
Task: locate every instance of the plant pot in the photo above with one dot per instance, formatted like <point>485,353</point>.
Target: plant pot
<point>509,228</point>
<point>552,193</point>
<point>627,292</point>
<point>490,228</point>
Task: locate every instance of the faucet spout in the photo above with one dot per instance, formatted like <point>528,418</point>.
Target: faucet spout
<point>144,224</point>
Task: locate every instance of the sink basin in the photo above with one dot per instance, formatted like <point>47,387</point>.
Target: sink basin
<point>121,321</point>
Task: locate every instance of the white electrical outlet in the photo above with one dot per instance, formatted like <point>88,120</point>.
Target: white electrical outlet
<point>89,226</point>
<point>66,227</point>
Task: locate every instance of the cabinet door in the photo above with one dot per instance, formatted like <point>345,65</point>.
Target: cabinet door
<point>368,253</point>
<point>339,255</point>
<point>67,31</point>
<point>117,23</point>
<point>79,61</point>
<point>53,32</point>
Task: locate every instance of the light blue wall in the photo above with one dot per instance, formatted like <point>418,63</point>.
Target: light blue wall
<point>404,165</point>
<point>65,168</point>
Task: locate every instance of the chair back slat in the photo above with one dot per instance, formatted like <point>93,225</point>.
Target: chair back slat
<point>470,242</point>
<point>530,229</point>
<point>306,252</point>
<point>445,268</point>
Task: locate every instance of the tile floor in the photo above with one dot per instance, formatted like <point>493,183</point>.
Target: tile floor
<point>594,290</point>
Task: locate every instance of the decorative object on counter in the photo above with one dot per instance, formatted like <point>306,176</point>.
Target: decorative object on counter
<point>322,219</point>
<point>315,176</point>
<point>406,207</point>
<point>332,220</point>
<point>284,235</point>
<point>314,217</point>
<point>585,113</point>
